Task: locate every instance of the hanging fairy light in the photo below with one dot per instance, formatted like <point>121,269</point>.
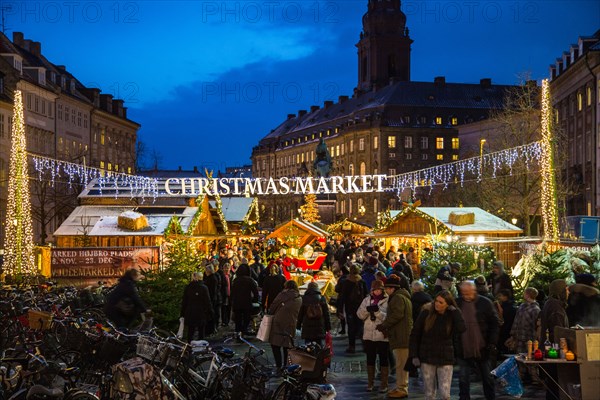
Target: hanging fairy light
<point>137,186</point>
<point>458,171</point>
<point>549,196</point>
<point>18,240</point>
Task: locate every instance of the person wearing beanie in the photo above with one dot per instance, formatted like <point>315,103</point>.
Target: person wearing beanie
<point>397,325</point>
<point>352,293</point>
<point>554,315</point>
<point>369,271</point>
<point>314,324</point>
<point>372,311</point>
<point>584,301</point>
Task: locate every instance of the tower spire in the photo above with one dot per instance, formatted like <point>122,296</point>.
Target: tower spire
<point>384,46</point>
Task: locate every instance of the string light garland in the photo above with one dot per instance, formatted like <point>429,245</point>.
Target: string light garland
<point>19,259</point>
<point>250,223</point>
<point>76,174</point>
<point>549,196</point>
<point>458,171</point>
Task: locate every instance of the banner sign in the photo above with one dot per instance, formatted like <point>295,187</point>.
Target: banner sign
<point>99,263</point>
<point>272,186</point>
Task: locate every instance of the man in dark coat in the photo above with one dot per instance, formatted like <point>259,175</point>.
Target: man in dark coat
<point>212,280</point>
<point>499,279</point>
<point>507,312</point>
<point>272,286</point>
<point>226,278</point>
<point>352,293</point>
<point>124,304</point>
<point>584,301</point>
<point>196,307</point>
<point>477,345</point>
<point>244,292</point>
<point>313,329</point>
<point>552,315</point>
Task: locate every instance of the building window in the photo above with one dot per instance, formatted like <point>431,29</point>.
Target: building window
<point>2,126</point>
<point>375,206</point>
<point>374,171</point>
<point>351,169</point>
<point>392,155</point>
<point>287,143</point>
<point>408,144</point>
<point>312,155</point>
<point>375,142</point>
<point>424,156</point>
<point>3,173</point>
<point>293,141</point>
<point>342,152</point>
<point>361,144</point>
<point>351,146</point>
<point>408,156</point>
<point>455,143</point>
<point>101,164</point>
<point>109,166</point>
<point>129,170</point>
<point>337,150</point>
<point>85,121</point>
<point>579,101</point>
<point>454,157</point>
<point>438,120</point>
<point>439,143</point>
<point>391,142</point>
<point>588,92</point>
<point>391,171</point>
<point>423,120</point>
<point>343,206</point>
<point>454,121</point>
<point>439,157</point>
<point>79,119</point>
<point>424,142</point>
<point>363,168</point>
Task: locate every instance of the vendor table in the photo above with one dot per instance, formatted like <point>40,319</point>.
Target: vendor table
<point>568,373</point>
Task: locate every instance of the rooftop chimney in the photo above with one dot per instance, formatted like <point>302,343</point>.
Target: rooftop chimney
<point>36,48</point>
<point>195,169</point>
<point>291,116</point>
<point>566,59</point>
<point>342,99</point>
<point>179,168</point>
<point>314,108</point>
<point>439,80</point>
<point>26,44</point>
<point>117,106</point>
<point>327,103</point>
<point>559,66</point>
<point>18,38</point>
<point>106,102</point>
<point>486,82</point>
<point>301,113</point>
<point>552,71</point>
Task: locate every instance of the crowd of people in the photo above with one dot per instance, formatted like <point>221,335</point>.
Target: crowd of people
<point>383,306</point>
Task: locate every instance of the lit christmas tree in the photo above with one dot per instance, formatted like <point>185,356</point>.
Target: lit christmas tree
<point>18,242</point>
<point>310,209</point>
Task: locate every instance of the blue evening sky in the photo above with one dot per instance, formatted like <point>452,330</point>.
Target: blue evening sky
<point>208,79</point>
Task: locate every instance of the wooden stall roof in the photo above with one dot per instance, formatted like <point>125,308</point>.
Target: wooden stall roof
<point>304,231</point>
<point>432,220</point>
<point>347,226</point>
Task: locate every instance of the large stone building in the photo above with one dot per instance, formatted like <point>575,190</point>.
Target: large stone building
<point>390,125</point>
<point>575,83</point>
<point>64,120</point>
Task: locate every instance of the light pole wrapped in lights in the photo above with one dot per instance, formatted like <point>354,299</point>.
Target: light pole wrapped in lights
<point>549,196</point>
<point>18,241</point>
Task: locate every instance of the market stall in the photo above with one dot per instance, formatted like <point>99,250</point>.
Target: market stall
<point>347,227</point>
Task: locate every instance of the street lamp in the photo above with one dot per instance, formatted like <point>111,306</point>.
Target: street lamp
<point>361,210</point>
<point>514,221</point>
<point>300,213</point>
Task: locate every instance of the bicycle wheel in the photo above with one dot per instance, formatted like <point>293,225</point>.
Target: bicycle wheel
<point>284,391</point>
<point>71,358</point>
<point>80,395</point>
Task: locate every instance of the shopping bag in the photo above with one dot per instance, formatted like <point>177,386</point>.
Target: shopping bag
<point>265,328</point>
<point>508,376</point>
<point>180,330</point>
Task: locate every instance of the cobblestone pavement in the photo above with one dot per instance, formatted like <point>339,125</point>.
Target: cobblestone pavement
<point>348,373</point>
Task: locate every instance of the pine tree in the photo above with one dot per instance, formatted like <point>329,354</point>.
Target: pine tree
<point>310,209</point>
<point>18,242</point>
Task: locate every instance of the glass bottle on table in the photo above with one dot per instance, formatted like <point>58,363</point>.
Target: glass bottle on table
<point>547,344</point>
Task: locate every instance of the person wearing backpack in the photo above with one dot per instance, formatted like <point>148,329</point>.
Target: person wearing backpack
<point>352,292</point>
<point>313,317</point>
